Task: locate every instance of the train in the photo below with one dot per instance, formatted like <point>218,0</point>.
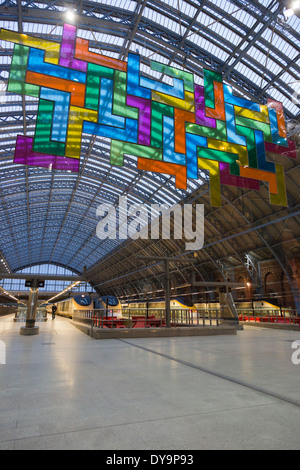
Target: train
<point>181,310</point>
<point>156,306</point>
<point>256,306</point>
<point>110,305</point>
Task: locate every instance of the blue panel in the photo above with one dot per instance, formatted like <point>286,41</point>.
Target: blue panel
<point>169,154</point>
<point>36,64</point>
<point>61,112</point>
<point>232,136</point>
<point>129,134</point>
<point>106,104</point>
<point>133,78</point>
<point>261,153</point>
<point>275,131</point>
<point>177,90</point>
<point>236,101</point>
<point>192,142</point>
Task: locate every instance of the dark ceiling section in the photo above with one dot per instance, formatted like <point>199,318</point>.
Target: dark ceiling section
<point>50,216</point>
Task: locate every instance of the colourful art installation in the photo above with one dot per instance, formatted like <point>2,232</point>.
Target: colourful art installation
<point>175,129</point>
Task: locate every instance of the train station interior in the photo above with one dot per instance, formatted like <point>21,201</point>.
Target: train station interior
<point>150,235</point>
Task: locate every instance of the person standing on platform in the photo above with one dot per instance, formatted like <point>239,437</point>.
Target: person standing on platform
<point>54,308</point>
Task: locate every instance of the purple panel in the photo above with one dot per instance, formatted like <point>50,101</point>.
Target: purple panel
<point>201,118</point>
<point>26,156</point>
<point>290,152</point>
<point>67,50</point>
<point>144,105</point>
<point>238,181</point>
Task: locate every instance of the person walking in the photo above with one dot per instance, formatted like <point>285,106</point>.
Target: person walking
<point>54,308</point>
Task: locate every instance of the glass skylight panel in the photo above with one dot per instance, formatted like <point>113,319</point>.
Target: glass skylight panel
<point>163,20</point>
<point>187,9</point>
<point>126,5</point>
<point>224,32</point>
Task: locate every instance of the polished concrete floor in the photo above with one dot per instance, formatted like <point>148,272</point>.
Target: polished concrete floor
<point>63,390</point>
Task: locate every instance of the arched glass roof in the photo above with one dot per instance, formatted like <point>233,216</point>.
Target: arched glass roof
<point>49,216</point>
<point>18,285</point>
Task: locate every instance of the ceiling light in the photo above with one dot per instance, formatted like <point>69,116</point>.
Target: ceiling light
<point>289,12</point>
<point>70,16</point>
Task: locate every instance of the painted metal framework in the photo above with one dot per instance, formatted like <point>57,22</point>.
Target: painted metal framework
<point>50,216</point>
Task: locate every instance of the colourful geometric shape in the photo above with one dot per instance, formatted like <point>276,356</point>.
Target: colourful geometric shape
<point>158,111</point>
<point>25,155</point>
<point>169,154</point>
<point>50,48</point>
<point>238,181</point>
<point>43,142</point>
<point>36,62</point>
<point>77,116</point>
<point>201,117</point>
<point>167,168</point>
<point>76,90</point>
<point>187,104</point>
<point>105,114</point>
<point>133,78</point>
<point>82,52</point>
<point>174,128</point>
<point>181,118</point>
<point>67,50</point>
<point>17,82</point>
<point>214,180</point>
<point>144,106</point>
<point>193,141</point>
<point>186,77</point>
<point>119,149</point>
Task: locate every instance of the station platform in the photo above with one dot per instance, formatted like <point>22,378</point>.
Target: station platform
<point>63,390</point>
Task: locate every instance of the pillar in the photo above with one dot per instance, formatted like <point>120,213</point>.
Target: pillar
<point>30,328</point>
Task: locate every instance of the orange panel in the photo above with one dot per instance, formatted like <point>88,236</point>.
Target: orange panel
<point>262,176</point>
<point>181,117</point>
<point>178,171</point>
<point>280,116</point>
<point>82,52</point>
<point>219,111</point>
<point>77,90</point>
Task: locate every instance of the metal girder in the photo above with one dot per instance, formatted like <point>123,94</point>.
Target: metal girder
<point>41,277</point>
<point>239,52</point>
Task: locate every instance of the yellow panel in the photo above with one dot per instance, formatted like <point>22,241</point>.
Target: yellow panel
<point>188,104</point>
<point>51,49</point>
<point>76,118</point>
<point>263,116</point>
<point>214,180</point>
<point>279,199</point>
<point>240,150</point>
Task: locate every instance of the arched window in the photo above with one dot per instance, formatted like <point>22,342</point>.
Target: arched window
<point>18,285</point>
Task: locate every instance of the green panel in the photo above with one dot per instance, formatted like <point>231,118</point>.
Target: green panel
<point>42,140</point>
<point>119,99</point>
<point>17,76</point>
<point>187,77</point>
<point>219,156</point>
<point>209,93</point>
<point>220,133</point>
<point>118,149</point>
<point>257,125</point>
<point>211,75</point>
<point>158,111</point>
<point>251,144</point>
<point>94,74</point>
